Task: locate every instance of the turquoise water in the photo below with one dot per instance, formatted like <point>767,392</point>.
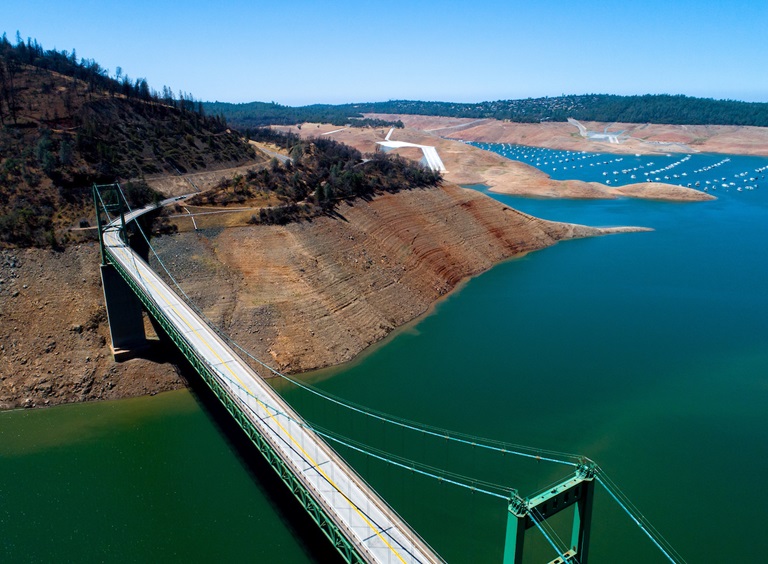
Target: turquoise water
<point>708,172</point>
<point>643,351</point>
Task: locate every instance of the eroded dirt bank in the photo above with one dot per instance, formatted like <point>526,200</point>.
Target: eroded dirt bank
<point>302,296</point>
<point>54,338</point>
<point>315,294</point>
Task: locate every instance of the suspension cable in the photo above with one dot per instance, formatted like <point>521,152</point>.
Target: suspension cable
<point>104,206</point>
<point>470,440</point>
<point>466,439</point>
<point>395,460</point>
<point>552,532</point>
<point>637,521</point>
<point>490,444</point>
<point>625,499</point>
<point>546,536</point>
<point>414,467</point>
<point>410,464</point>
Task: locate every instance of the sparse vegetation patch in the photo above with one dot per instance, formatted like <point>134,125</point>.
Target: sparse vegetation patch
<point>320,174</point>
<point>66,124</point>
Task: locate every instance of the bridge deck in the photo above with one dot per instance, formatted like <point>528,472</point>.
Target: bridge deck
<point>364,518</point>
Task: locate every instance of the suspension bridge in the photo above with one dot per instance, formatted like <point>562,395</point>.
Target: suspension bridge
<point>360,523</point>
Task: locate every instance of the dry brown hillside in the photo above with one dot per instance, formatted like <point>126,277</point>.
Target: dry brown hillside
<point>308,295</point>
<point>54,339</point>
<point>63,130</point>
<point>302,296</point>
<point>469,165</point>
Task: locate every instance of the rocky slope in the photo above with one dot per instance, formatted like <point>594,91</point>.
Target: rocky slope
<point>54,339</point>
<point>310,295</point>
<point>301,296</point>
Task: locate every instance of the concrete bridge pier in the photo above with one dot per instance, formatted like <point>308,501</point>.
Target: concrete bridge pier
<point>124,314</point>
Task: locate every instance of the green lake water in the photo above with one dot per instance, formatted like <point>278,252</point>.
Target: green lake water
<point>645,351</point>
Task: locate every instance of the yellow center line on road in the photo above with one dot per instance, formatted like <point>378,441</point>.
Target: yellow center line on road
<point>272,416</point>
<point>351,503</point>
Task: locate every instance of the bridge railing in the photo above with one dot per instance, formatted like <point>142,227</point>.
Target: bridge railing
<point>319,514</point>
<point>337,531</point>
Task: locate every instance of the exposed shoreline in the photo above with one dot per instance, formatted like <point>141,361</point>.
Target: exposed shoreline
<point>644,138</point>
<point>467,164</point>
<point>325,291</point>
<point>313,295</point>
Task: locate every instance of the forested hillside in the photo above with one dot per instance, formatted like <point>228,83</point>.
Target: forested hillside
<point>66,124</point>
<point>257,114</point>
<point>320,174</point>
<point>650,108</point>
<point>661,108</point>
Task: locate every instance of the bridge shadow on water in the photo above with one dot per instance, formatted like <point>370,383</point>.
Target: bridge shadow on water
<point>304,530</point>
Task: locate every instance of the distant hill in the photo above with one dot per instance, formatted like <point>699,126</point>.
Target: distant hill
<point>319,176</point>
<point>258,114</point>
<point>65,124</point>
<point>650,108</point>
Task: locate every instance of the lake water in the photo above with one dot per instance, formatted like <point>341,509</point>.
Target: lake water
<point>644,351</point>
<point>707,172</point>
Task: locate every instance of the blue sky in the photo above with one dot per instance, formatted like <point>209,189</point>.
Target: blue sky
<point>304,52</point>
